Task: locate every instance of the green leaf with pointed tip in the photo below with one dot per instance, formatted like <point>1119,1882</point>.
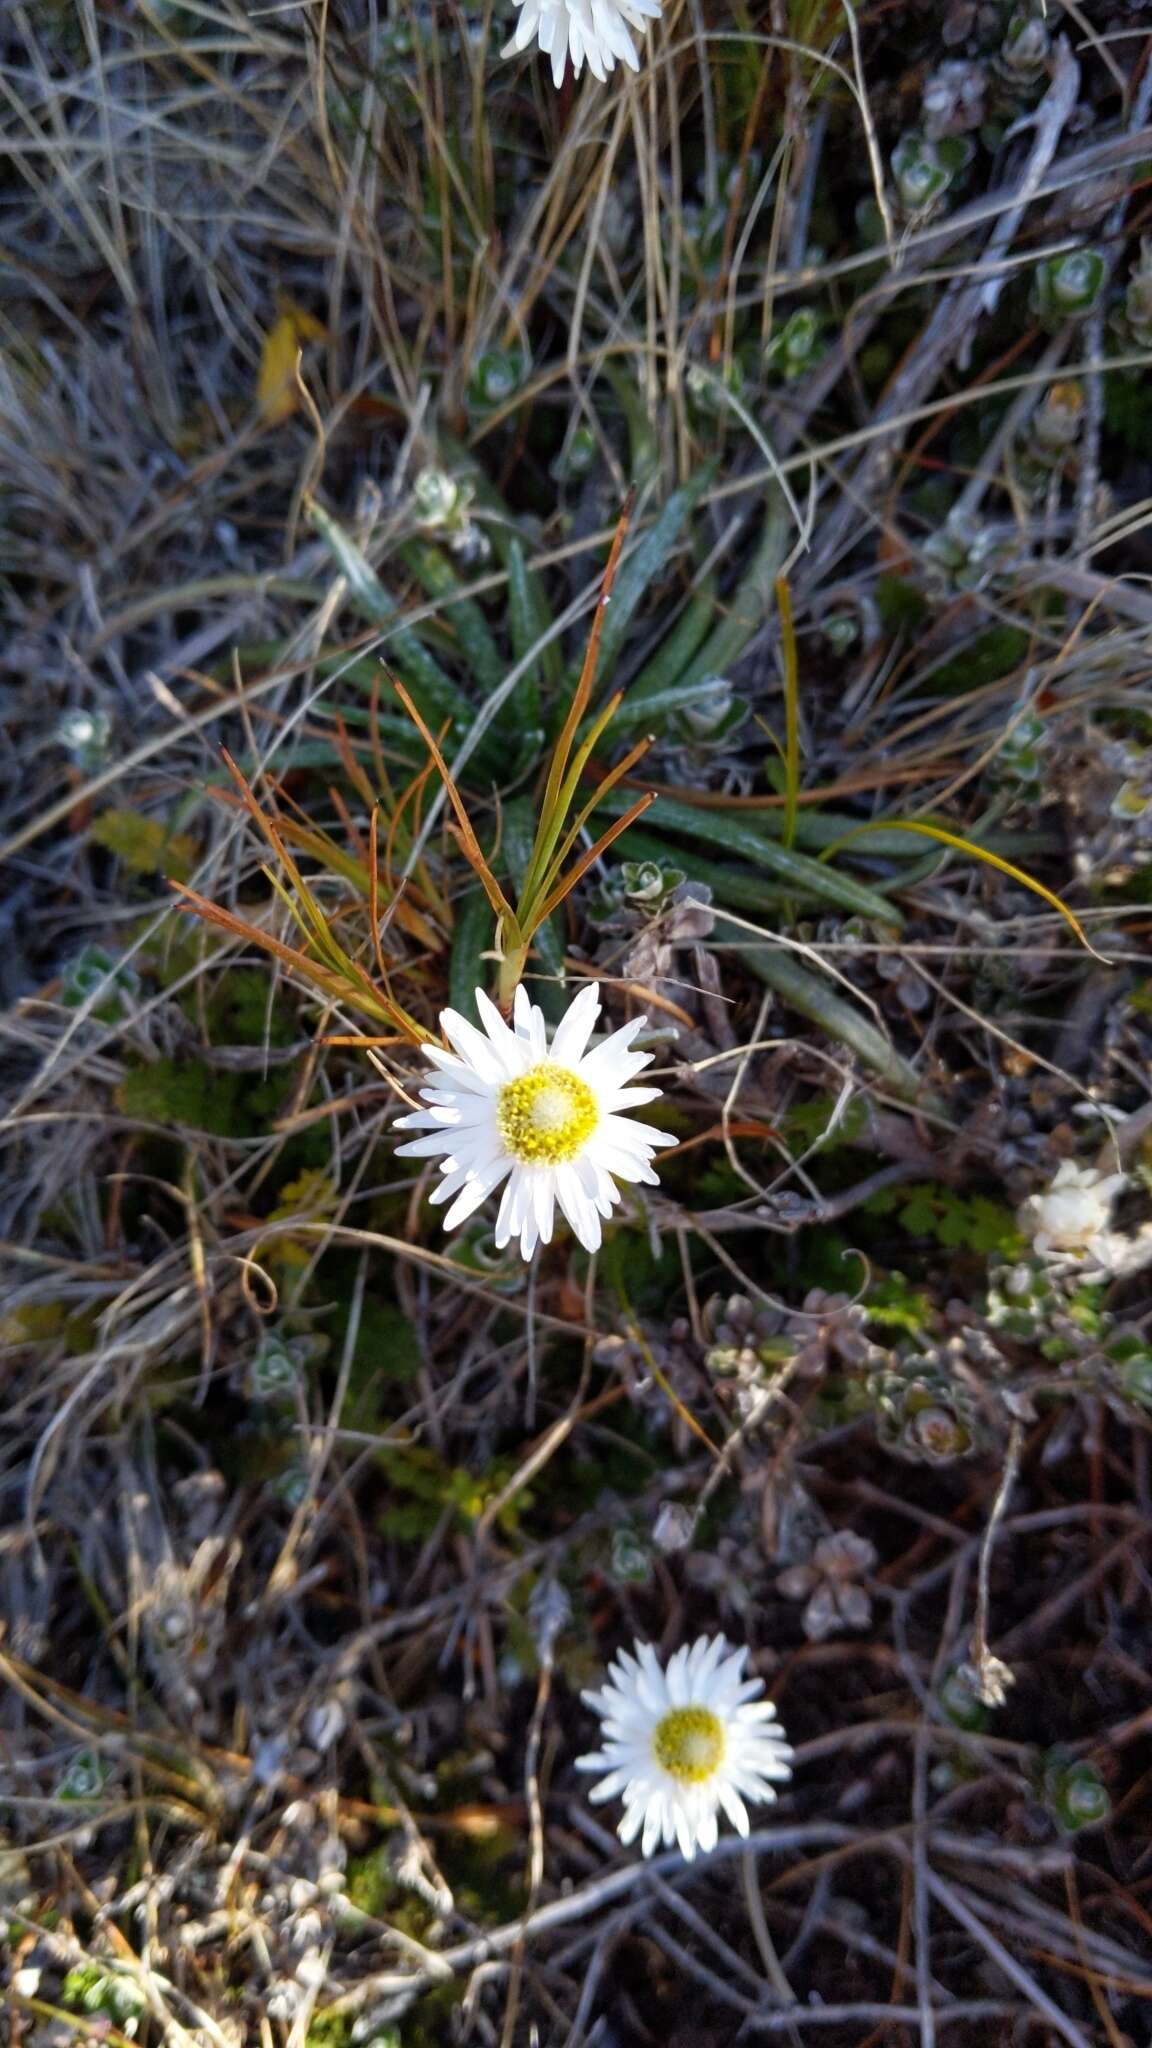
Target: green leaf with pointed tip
<point>748,607</point>
<point>528,619</point>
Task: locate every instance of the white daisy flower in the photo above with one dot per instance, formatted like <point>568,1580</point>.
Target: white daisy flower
<point>503,1105</point>
<point>596,29</point>
<point>682,1743</point>
<point>1071,1217</point>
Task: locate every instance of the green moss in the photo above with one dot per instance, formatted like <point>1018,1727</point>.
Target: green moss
<point>893,1304</point>
<point>144,846</point>
<point>983,660</point>
<point>429,2024</point>
<point>958,1222</point>
<point>200,1098</point>
<point>387,1355</point>
<point>900,604</point>
<point>334,2030</point>
<point>240,1011</point>
<point>182,1092</point>
<point>370,1884</point>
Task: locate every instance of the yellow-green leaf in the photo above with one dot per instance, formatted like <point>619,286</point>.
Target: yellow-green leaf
<point>313,1193</point>
<point>144,845</point>
<point>276,392</point>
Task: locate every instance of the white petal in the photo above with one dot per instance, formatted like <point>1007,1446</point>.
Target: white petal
<point>628,1098</point>
<point>576,1026</point>
<point>500,1035</point>
<point>578,1208</point>
<point>530,1025</point>
<point>625,1165</point>
<point>734,1807</point>
<point>624,1130</point>
<point>630,1825</point>
<point>424,1148</point>
<point>544,1205</point>
<point>653,1827</point>
<point>475,1192</point>
<point>581,39</point>
<point>477,1051</point>
<point>677,1676</point>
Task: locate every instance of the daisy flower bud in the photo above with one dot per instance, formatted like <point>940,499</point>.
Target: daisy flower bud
<point>596,29</point>
<point>505,1106</point>
<point>682,1744</point>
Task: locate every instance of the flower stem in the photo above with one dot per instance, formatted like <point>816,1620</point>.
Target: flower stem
<point>512,961</point>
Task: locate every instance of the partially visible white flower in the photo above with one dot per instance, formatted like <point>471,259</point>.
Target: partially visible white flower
<point>436,498</point>
<point>988,1677</point>
<point>503,1105</point>
<point>682,1744</point>
<point>1070,1218</point>
<point>596,29</point>
<point>442,504</point>
<point>1122,1256</point>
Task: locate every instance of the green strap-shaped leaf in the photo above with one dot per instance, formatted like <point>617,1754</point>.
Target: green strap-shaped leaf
<point>821,1001</point>
<point>472,935</point>
<point>674,653</point>
<point>519,822</point>
<point>527,619</point>
<point>795,870</point>
<point>647,560</point>
<point>438,578</point>
<point>651,713</point>
<point>373,602</point>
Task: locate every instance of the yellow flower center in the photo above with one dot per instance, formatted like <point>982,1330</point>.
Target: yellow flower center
<point>546,1116</point>
<point>689,1743</point>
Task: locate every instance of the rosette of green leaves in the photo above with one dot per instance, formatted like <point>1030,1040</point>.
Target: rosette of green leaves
<point>1066,287</point>
<point>924,171</point>
<point>924,1414</point>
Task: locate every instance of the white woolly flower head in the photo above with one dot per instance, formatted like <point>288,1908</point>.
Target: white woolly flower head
<point>682,1744</point>
<point>596,29</point>
<point>1070,1218</point>
<point>505,1106</point>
